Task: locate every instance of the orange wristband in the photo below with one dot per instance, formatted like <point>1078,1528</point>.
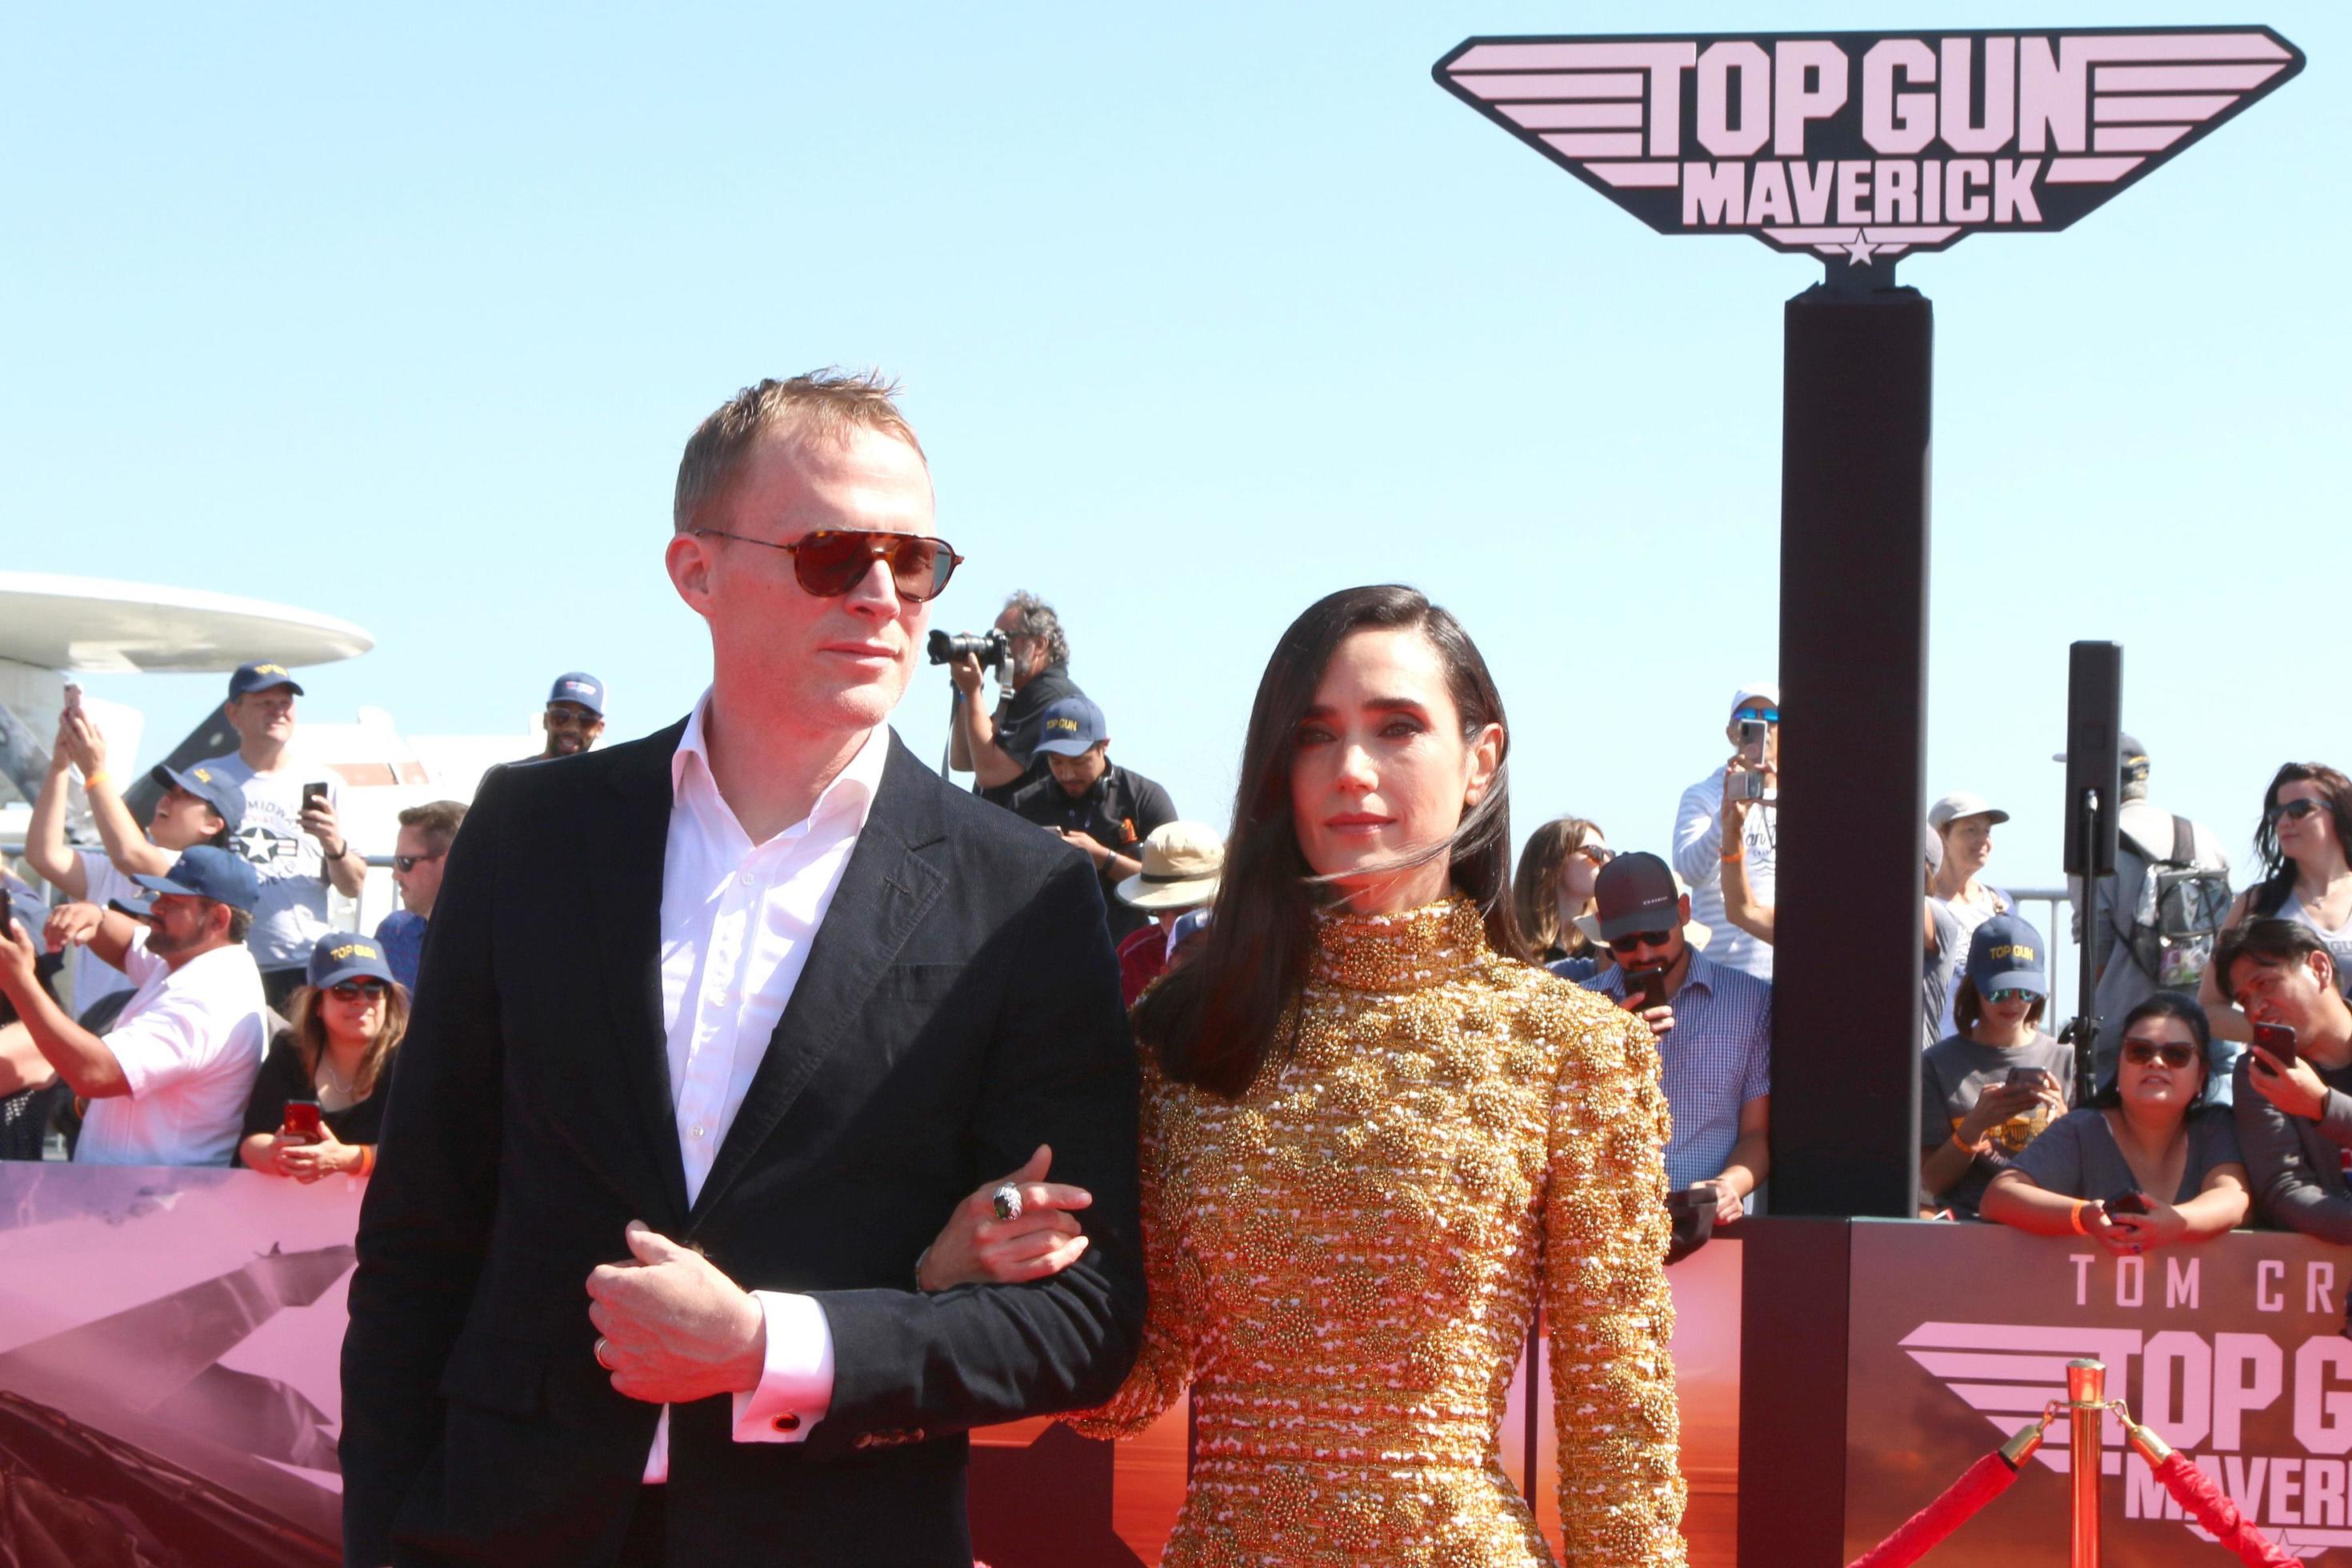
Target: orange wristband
<point>367,1159</point>
<point>2075,1218</point>
<point>1738,854</point>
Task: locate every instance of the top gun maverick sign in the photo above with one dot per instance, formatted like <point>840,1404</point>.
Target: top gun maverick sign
<point>1861,145</point>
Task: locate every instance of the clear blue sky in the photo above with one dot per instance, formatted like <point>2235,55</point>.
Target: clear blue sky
<point>1202,312</point>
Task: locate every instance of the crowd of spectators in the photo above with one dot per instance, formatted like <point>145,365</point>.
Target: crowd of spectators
<point>217,1016</point>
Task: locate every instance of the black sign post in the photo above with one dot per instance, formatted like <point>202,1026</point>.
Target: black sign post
<point>1859,148</point>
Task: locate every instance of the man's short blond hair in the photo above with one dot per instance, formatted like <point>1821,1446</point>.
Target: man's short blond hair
<point>823,405</point>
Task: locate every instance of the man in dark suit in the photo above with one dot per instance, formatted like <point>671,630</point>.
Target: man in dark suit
<point>715,1030</point>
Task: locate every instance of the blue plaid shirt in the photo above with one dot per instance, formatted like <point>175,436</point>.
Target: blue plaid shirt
<point>1716,1057</point>
<point>402,935</point>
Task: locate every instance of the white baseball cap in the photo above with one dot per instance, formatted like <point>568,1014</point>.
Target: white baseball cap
<point>1959,803</point>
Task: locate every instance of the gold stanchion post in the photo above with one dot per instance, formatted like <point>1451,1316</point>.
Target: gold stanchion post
<point>2086,1413</point>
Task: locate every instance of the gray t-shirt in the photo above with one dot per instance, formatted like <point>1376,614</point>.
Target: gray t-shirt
<point>1953,1072</point>
<point>1938,964</point>
<point>292,914</point>
<point>2077,1156</point>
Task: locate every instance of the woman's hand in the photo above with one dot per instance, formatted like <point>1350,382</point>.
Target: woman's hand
<point>308,1162</point>
<point>2161,1225</point>
<point>978,1248</point>
<point>1996,1105</point>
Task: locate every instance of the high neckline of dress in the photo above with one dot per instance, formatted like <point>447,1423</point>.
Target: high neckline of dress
<point>1405,950</point>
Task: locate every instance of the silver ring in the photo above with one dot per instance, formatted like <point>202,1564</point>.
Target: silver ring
<point>607,1366</point>
<point>1006,1201</point>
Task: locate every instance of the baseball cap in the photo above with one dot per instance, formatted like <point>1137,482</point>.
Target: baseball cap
<point>204,872</point>
<point>577,685</point>
<point>1638,892</point>
<point>248,678</point>
<point>1959,803</point>
<point>2007,954</point>
<point>208,784</point>
<point>2130,753</point>
<point>1072,727</point>
<point>1181,863</point>
<point>342,955</point>
<point>1762,693</point>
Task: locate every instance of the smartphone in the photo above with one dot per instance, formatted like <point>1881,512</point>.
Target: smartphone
<point>1751,739</point>
<point>314,794</point>
<point>1646,989</point>
<point>1750,786</point>
<point>2128,1202</point>
<point>2276,1038</point>
<point>2030,1077</point>
<point>73,698</point>
<point>301,1120</point>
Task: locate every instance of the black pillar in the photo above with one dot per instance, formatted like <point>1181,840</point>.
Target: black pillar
<point>1853,666</point>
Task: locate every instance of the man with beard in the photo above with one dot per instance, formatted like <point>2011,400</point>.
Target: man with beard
<point>1001,748</point>
<point>291,838</point>
<point>168,1083</point>
<point>576,715</point>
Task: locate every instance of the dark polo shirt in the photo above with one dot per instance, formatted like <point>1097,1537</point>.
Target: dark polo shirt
<point>1118,813</point>
<point>1019,721</point>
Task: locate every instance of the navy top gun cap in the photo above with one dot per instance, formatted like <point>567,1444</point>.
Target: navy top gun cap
<point>208,784</point>
<point>204,872</point>
<point>577,685</point>
<point>1072,727</point>
<point>248,678</point>
<point>2007,954</point>
<point>342,955</point>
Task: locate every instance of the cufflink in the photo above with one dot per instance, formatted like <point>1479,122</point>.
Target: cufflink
<point>787,1422</point>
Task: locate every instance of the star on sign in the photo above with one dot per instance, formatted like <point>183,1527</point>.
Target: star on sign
<point>1859,248</point>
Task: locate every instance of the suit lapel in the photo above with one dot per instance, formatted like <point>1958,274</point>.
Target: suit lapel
<point>628,918</point>
<point>883,890</point>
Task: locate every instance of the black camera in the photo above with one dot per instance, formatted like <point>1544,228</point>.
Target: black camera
<point>991,648</point>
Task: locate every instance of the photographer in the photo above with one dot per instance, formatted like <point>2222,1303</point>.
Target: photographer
<point>2292,1095</point>
<point>1102,811</point>
<point>1700,847</point>
<point>1001,748</point>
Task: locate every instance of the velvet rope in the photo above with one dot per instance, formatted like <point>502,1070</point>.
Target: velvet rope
<point>2194,1490</point>
<point>1984,1482</point>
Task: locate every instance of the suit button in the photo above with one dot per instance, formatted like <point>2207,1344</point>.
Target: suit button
<point>787,1422</point>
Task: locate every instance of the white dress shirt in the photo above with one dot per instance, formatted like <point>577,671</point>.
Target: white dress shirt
<point>737,920</point>
<point>1698,856</point>
<point>190,1043</point>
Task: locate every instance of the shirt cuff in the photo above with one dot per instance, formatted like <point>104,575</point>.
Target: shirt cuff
<point>796,1381</point>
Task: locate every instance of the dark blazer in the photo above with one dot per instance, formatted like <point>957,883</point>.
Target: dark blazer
<point>959,1008</point>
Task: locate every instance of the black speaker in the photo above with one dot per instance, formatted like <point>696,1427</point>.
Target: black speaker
<point>2094,717</point>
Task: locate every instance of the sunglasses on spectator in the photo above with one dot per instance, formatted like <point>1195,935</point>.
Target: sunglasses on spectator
<point>403,864</point>
<point>2011,996</point>
<point>1633,940</point>
<point>1767,715</point>
<point>566,717</point>
<point>1599,853</point>
<point>2295,810</point>
<point>357,989</point>
<point>830,562</point>
<point>2144,1053</point>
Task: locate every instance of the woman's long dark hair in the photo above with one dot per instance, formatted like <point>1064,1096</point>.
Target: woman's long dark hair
<point>1215,1019</point>
<point>2278,871</point>
<point>2109,1095</point>
<point>1535,891</point>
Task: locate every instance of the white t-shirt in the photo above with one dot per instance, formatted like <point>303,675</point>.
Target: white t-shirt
<point>190,1043</point>
<point>292,914</point>
<point>94,979</point>
<point>1698,856</point>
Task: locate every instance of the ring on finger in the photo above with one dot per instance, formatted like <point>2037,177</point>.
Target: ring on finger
<point>1006,1201</point>
<point>607,1366</point>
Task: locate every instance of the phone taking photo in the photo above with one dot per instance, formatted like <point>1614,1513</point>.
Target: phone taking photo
<point>1751,739</point>
<point>301,1120</point>
<point>2027,1078</point>
<point>2278,1040</point>
<point>1646,989</point>
<point>314,794</point>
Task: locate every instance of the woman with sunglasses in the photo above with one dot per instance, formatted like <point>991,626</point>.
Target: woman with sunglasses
<point>2147,1138</point>
<point>1372,1137</point>
<point>334,1059</point>
<point>2302,842</point>
<point>1989,1091</point>
<point>1554,885</point>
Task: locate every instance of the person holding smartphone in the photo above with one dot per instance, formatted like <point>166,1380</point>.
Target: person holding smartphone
<point>1989,1091</point>
<point>2150,1162</point>
<point>1713,1025</point>
<point>318,1104</point>
<point>1702,848</point>
<point>2292,1092</point>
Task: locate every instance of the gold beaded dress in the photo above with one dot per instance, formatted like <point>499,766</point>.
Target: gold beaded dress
<point>1343,1263</point>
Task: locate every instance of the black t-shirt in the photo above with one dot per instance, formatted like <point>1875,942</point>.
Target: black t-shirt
<point>282,1079</point>
<point>1020,722</point>
<point>1118,813</point>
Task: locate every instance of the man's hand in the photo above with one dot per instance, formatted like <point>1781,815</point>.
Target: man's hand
<point>79,739</point>
<point>1661,1018</point>
<point>674,1329</point>
<point>2294,1088</point>
<point>72,925</point>
<point>1730,1209</point>
<point>319,821</point>
<point>964,670</point>
<point>1086,844</point>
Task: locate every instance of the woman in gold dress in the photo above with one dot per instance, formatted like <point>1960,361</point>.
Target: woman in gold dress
<point>1372,1137</point>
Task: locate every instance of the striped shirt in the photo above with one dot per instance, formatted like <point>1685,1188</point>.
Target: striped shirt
<point>1716,1057</point>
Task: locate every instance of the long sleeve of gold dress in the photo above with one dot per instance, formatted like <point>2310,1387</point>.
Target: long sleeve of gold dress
<point>1343,1263</point>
